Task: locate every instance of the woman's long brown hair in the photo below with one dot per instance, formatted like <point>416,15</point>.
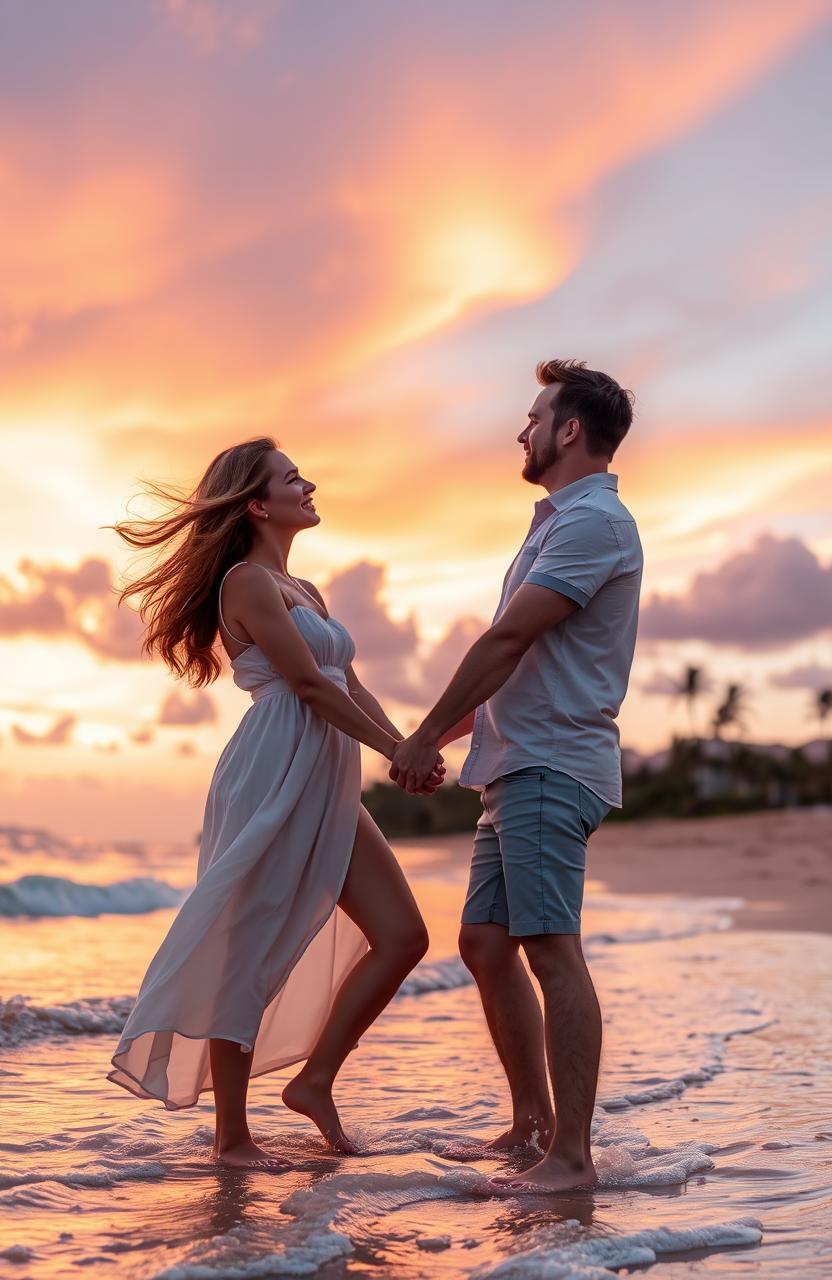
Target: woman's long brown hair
<point>209,531</point>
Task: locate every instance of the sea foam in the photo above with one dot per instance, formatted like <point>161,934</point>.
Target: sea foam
<point>21,1021</point>
<point>660,1090</point>
<point>439,975</point>
<point>601,1256</point>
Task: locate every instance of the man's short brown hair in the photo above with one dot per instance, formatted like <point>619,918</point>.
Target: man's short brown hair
<point>604,408</point>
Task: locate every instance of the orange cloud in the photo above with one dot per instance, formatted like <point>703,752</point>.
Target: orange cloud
<point>142,736</point>
<point>354,246</point>
<point>439,198</point>
<point>685,484</point>
<point>80,603</point>
<point>79,237</point>
<point>56,736</point>
<point>177,708</point>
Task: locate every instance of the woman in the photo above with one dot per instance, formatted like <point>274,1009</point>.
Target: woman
<point>258,970</point>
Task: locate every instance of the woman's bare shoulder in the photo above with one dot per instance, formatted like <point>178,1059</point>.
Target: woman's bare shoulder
<point>251,581</point>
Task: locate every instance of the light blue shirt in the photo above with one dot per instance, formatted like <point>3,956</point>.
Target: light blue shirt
<point>559,705</point>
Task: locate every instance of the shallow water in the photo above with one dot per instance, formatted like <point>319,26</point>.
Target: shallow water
<point>712,1134</point>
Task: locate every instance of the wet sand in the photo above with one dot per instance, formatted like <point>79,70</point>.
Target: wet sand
<point>711,1131</point>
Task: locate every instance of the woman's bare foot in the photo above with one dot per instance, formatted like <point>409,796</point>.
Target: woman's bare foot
<point>247,1155</point>
<point>315,1101</point>
<point>551,1174</point>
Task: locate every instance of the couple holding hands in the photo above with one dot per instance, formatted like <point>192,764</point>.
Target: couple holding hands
<point>259,970</point>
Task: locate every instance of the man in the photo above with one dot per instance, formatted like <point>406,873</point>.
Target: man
<point>547,681</point>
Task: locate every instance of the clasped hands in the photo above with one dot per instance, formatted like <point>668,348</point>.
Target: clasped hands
<point>417,765</point>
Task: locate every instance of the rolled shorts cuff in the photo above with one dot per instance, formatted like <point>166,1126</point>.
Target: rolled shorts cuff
<point>521,928</point>
<point>494,916</point>
<point>534,928</point>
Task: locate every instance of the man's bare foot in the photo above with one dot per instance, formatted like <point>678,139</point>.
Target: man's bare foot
<point>247,1155</point>
<point>551,1174</point>
<point>531,1137</point>
<point>315,1101</point>
<point>534,1134</point>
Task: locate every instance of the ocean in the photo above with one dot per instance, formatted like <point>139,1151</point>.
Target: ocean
<point>712,1133</point>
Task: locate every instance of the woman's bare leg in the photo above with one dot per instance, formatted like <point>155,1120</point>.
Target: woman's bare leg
<point>233,1144</point>
<point>377,898</point>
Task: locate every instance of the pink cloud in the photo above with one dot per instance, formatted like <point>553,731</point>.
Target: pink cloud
<point>391,657</point>
<point>178,708</point>
<point>386,650</point>
<point>40,612</point>
<point>207,26</point>
<point>771,595</point>
<point>74,603</point>
<point>440,663</point>
<point>56,736</point>
<point>142,736</point>
<point>808,676</point>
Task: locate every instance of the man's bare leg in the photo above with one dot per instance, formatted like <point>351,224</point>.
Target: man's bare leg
<point>573,1041</point>
<point>512,1012</point>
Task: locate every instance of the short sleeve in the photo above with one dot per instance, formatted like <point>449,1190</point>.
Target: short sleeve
<point>578,555</point>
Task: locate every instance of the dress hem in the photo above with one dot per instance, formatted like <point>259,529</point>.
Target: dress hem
<point>141,1092</point>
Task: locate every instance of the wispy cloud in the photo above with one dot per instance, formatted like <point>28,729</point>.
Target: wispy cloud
<point>208,26</point>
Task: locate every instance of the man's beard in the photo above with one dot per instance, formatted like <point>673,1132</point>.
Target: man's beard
<point>537,464</point>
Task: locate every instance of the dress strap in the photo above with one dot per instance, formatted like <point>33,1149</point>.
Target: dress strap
<point>247,643</point>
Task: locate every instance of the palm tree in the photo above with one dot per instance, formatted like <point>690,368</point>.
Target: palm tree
<point>823,707</point>
<point>731,710</point>
<point>690,687</point>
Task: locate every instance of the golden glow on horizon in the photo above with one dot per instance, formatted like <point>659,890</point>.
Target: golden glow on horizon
<point>169,292</point>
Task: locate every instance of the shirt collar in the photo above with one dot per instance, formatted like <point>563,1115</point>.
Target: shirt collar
<point>563,498</point>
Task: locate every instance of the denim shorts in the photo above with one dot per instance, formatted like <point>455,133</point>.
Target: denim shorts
<point>529,860</point>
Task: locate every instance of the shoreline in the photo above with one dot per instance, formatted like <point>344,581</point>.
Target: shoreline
<point>778,861</point>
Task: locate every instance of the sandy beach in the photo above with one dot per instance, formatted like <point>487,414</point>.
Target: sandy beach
<point>779,862</point>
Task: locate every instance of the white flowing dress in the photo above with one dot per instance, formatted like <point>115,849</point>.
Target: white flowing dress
<point>258,949</point>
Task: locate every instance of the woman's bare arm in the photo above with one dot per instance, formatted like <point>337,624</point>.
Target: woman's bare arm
<point>258,602</point>
<point>359,694</point>
<point>370,705</point>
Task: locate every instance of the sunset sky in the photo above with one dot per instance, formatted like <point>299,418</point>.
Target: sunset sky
<point>357,227</point>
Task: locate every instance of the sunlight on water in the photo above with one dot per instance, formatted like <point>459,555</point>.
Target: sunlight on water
<point>709,1135</point>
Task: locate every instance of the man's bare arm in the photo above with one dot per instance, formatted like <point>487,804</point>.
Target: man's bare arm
<point>484,669</point>
<point>459,730</point>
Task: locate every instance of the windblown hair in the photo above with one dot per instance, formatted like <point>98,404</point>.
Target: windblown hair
<point>604,408</point>
<point>208,531</point>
